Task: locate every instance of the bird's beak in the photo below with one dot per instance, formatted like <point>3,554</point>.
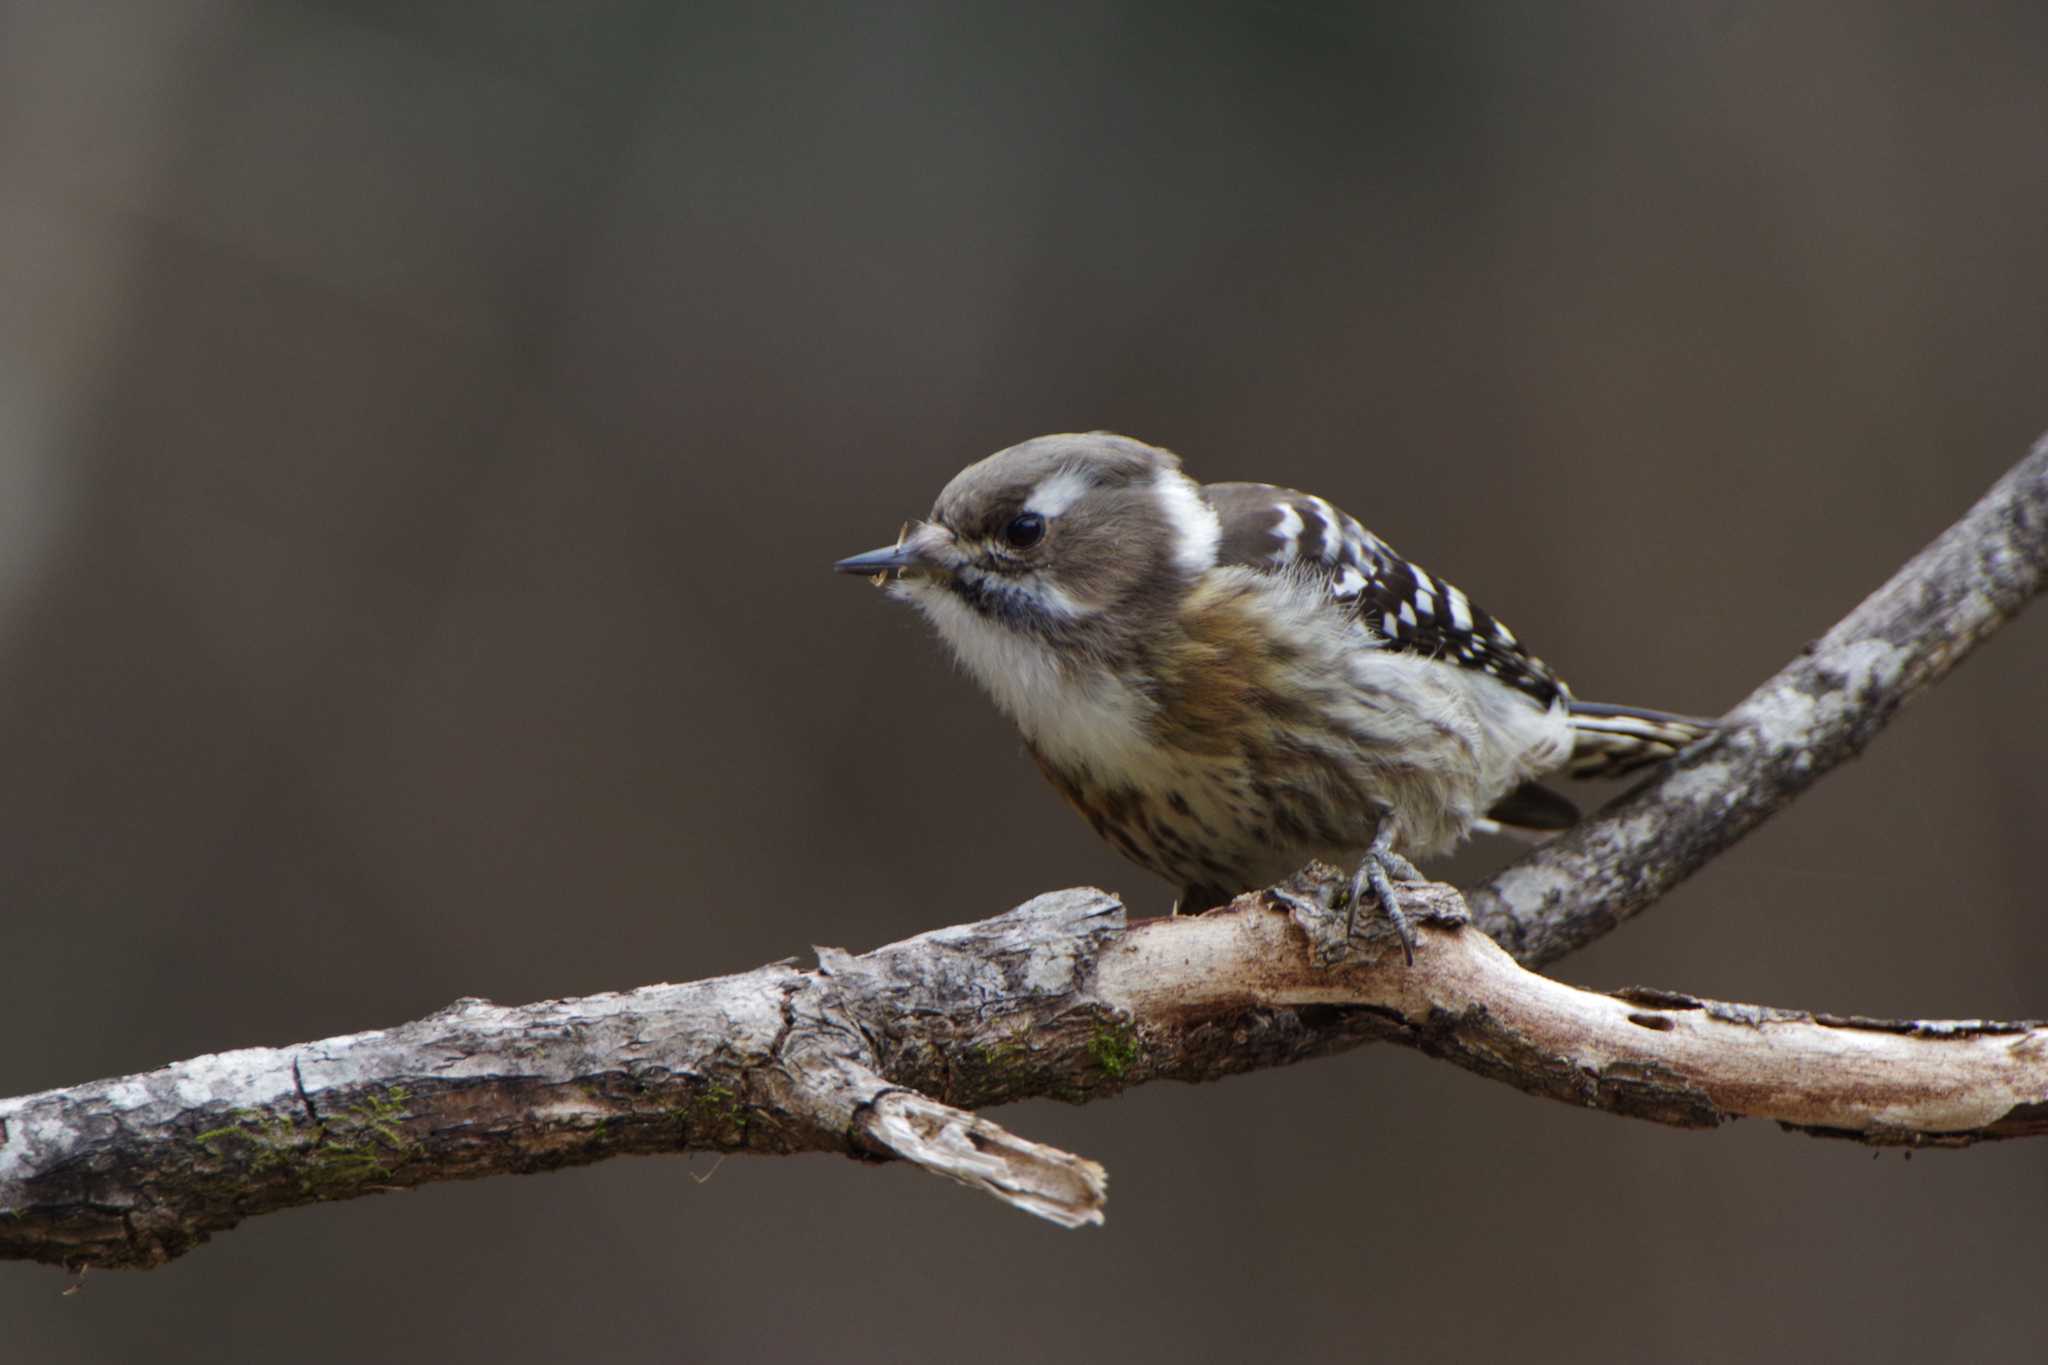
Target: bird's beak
<point>887,560</point>
<point>911,554</point>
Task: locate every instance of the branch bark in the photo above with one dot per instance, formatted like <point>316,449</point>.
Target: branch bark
<point>884,1054</point>
<point>1820,709</point>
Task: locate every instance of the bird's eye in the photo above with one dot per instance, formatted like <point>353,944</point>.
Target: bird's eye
<point>1025,532</point>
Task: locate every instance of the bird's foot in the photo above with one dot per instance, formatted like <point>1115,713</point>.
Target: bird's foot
<point>1315,896</point>
<point>1379,870</point>
<point>1323,902</point>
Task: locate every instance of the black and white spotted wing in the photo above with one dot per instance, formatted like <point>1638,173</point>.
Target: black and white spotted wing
<point>1279,529</point>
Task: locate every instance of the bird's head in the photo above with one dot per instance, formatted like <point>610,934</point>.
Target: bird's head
<point>1070,539</point>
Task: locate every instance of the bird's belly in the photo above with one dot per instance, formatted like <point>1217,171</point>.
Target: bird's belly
<point>1219,821</point>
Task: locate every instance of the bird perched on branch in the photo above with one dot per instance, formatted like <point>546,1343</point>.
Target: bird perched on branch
<point>1228,680</point>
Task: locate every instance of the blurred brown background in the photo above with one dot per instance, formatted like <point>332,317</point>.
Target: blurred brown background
<point>425,429</point>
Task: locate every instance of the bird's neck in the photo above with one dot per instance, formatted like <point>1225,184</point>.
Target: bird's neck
<point>1069,696</point>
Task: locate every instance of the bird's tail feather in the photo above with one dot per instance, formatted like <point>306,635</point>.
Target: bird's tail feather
<point>1613,741</point>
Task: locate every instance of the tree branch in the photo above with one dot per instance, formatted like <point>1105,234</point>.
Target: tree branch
<point>1820,709</point>
<point>881,1055</point>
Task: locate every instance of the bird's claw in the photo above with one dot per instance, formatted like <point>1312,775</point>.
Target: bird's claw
<point>1325,907</point>
<point>1379,870</point>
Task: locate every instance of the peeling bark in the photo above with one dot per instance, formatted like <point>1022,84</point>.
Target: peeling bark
<point>883,1054</point>
<point>137,1170</point>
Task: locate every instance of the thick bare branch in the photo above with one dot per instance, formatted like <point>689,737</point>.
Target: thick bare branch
<point>1821,709</point>
<point>137,1170</point>
<point>1648,1054</point>
<point>880,1055</point>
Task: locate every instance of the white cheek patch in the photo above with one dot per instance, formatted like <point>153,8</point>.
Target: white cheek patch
<point>1057,492</point>
<point>1197,530</point>
<point>1057,601</point>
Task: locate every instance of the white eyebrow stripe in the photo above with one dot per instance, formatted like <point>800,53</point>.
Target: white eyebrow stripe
<point>1197,530</point>
<point>1057,492</point>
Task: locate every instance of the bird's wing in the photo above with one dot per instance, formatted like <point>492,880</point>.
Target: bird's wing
<point>1278,530</point>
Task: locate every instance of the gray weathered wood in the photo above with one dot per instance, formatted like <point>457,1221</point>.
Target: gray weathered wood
<point>883,1054</point>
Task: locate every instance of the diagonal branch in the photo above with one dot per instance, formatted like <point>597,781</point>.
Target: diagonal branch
<point>1821,709</point>
<point>882,1055</point>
